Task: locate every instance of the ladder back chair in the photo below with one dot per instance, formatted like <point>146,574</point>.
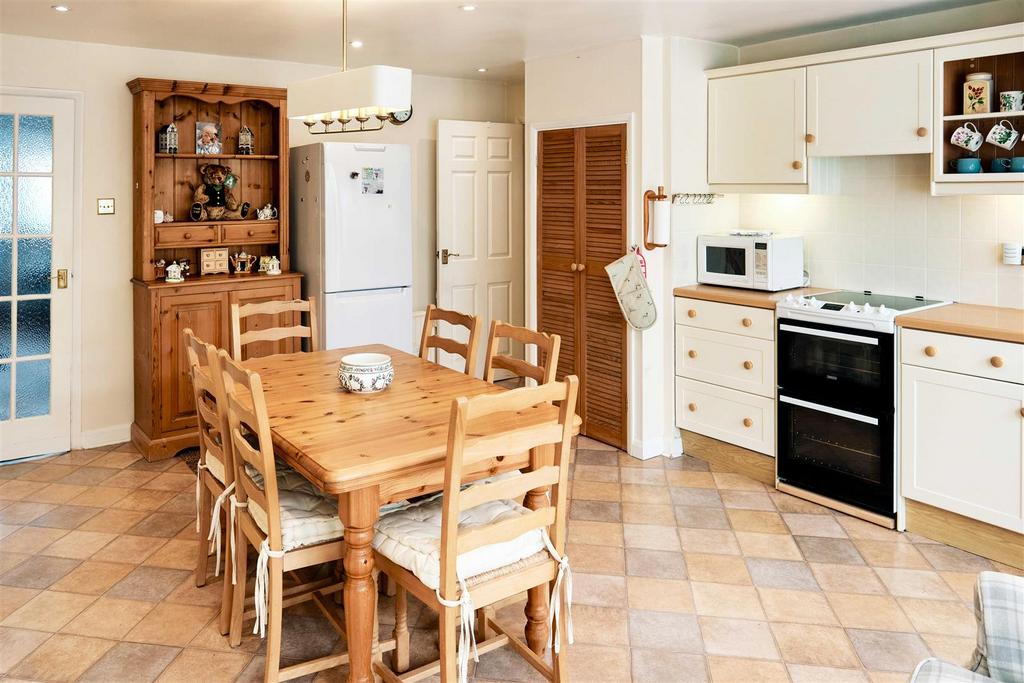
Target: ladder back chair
<point>240,339</point>
<point>289,521</point>
<point>431,340</point>
<point>215,473</point>
<point>477,546</point>
<point>547,353</point>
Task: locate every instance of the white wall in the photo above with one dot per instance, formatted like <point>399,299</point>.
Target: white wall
<point>100,72</point>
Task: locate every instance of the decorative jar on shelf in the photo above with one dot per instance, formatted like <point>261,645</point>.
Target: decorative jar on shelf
<point>978,89</point>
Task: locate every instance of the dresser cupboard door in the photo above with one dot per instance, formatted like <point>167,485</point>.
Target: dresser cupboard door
<point>756,128</point>
<point>962,442</point>
<point>206,315</point>
<point>881,105</point>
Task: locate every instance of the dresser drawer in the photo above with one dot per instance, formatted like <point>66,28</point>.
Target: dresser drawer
<point>711,315</point>
<point>726,414</point>
<point>730,360</point>
<point>186,236</point>
<point>966,355</point>
<point>250,233</point>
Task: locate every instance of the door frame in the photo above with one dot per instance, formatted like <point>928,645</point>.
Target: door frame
<point>77,98</point>
<point>530,289</point>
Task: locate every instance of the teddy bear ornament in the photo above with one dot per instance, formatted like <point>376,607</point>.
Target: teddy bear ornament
<point>214,199</point>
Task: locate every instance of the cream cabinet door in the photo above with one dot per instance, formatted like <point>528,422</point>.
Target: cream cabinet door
<point>756,127</point>
<point>881,105</point>
<point>962,442</point>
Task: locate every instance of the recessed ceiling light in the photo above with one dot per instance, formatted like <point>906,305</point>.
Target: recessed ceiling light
<point>482,70</point>
<point>356,43</point>
<point>60,8</point>
<point>467,8</point>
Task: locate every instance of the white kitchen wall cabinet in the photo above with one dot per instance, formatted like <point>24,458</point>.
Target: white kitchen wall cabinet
<point>862,107</point>
<point>756,127</point>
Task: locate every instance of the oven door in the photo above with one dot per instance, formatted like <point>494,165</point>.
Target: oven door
<point>840,454</point>
<point>725,261</point>
<point>841,367</point>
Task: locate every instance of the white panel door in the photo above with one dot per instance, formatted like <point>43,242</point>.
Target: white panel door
<point>480,223</point>
<point>756,128</point>
<point>862,107</point>
<point>36,224</point>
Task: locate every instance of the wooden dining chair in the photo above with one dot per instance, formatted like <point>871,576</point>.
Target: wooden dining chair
<point>477,546</point>
<point>291,524</point>
<point>215,472</point>
<point>547,353</point>
<point>431,340</point>
<point>241,339</point>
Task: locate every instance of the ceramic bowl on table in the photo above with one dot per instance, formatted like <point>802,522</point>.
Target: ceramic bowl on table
<point>365,373</point>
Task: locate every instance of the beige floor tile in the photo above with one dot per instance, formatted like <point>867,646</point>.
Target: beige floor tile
<point>595,490</point>
<point>169,624</point>
<point>915,583</point>
<point>660,666</point>
<point>133,549</point>
<point>669,631</point>
<point>796,606</point>
<point>56,493</point>
<point>78,544</point>
<point>939,616</point>
<point>772,546</point>
<point>691,480</point>
<point>595,473</point>
<point>175,555</point>
<point>887,677</point>
<point>737,670</point>
<point>595,533</point>
<point>726,600</point>
<point>962,583</point>
<point>651,536</point>
<point>815,645</point>
<point>652,495</point>
<point>598,589</point>
<point>802,673</point>
<point>113,521</point>
<point>17,489</point>
<point>644,476</point>
<point>877,612</point>
<point>639,513</point>
<point>658,564</point>
<point>599,625</point>
<point>116,459</point>
<point>708,541</point>
<point>146,662</point>
<point>210,638</point>
<point>813,525</point>
<point>9,560</point>
<point>48,472</point>
<point>171,481</point>
<point>93,578</point>
<point>599,664</point>
<point>884,554</point>
<point>206,596</point>
<point>38,571</point>
<point>13,597</point>
<point>659,595</point>
<point>108,618</point>
<point>62,658</point>
<point>596,559</point>
<point>143,499</point>
<point>31,540</point>
<point>736,482</point>
<point>847,579</point>
<point>888,651</point>
<point>737,638</point>
<point>195,665</point>
<point>23,512</point>
<point>16,644</point>
<point>49,611</point>
<point>100,496</point>
<point>717,568</point>
<point>747,500</point>
<point>858,528</point>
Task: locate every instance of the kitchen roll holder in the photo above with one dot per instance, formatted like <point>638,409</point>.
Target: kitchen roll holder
<point>652,196</point>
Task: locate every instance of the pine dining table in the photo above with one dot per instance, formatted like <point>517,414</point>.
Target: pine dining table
<point>374,449</point>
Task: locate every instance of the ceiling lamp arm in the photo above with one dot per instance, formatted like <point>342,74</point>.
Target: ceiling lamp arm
<point>344,35</point>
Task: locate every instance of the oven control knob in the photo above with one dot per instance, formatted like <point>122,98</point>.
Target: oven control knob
<point>867,310</point>
<point>881,310</point>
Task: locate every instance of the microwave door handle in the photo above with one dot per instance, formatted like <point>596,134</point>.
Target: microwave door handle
<point>829,334</point>
<point>831,411</point>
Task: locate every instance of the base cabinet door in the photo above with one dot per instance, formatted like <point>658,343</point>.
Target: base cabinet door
<point>962,442</point>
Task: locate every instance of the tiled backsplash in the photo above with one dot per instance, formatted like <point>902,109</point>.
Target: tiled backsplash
<point>885,232</point>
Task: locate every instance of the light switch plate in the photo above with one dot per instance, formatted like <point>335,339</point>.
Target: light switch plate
<point>105,206</point>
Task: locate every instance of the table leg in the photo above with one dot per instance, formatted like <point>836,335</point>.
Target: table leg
<point>359,511</point>
<point>537,598</point>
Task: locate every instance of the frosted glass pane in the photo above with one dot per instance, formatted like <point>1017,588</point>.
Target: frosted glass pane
<point>33,327</point>
<point>5,329</point>
<point>6,142</point>
<point>6,204</point>
<point>34,266</point>
<point>5,267</point>
<point>35,144</point>
<point>5,391</point>
<point>32,389</point>
<point>35,205</point>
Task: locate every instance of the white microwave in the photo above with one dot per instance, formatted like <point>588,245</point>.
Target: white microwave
<point>760,261</point>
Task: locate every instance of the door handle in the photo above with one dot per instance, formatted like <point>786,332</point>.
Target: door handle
<point>62,278</point>
<point>445,254</point>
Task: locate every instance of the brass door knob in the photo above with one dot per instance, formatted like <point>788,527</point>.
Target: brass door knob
<point>691,353</point>
<point>809,138</point>
<point>747,365</point>
<point>996,361</point>
<point>747,322</point>
<point>747,422</point>
<point>930,351</point>
<point>922,132</point>
<point>692,407</point>
<point>691,313</point>
<point>572,267</point>
<point>1022,412</point>
<point>797,165</point>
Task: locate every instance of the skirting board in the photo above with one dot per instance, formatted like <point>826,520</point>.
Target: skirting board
<point>729,457</point>
<point>995,543</point>
<point>107,436</point>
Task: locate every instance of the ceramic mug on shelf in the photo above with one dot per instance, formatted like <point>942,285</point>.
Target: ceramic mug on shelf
<point>1011,100</point>
<point>966,165</point>
<point>1017,165</point>
<point>158,216</point>
<point>1003,134</point>
<point>967,136</point>
<point>1000,165</point>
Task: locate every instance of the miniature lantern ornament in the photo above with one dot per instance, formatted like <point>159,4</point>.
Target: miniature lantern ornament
<point>246,141</point>
<point>167,139</point>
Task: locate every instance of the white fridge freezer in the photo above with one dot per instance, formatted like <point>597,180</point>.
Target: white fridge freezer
<point>374,316</point>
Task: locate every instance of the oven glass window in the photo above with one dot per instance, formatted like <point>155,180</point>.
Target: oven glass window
<point>837,363</point>
<point>726,260</point>
<point>830,442</point>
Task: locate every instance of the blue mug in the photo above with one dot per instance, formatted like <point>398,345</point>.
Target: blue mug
<point>968,165</point>
<point>1017,165</point>
<point>1000,165</point>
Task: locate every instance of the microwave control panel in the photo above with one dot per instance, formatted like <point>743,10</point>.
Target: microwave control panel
<point>761,262</point>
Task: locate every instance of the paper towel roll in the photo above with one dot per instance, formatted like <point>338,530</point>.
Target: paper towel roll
<point>661,223</point>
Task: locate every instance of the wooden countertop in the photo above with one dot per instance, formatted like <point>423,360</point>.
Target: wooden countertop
<point>744,297</point>
<point>987,322</point>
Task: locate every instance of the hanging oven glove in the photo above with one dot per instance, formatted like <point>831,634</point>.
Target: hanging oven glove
<point>631,290</point>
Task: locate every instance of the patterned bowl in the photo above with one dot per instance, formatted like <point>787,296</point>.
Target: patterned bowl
<point>365,373</point>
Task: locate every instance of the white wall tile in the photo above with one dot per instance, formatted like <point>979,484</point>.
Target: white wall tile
<point>911,281</point>
<point>979,288</point>
<point>979,217</point>
<point>943,254</point>
<point>980,256</point>
<point>943,284</point>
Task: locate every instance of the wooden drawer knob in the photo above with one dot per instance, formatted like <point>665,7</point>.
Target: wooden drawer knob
<point>809,138</point>
<point>250,233</point>
<point>922,132</point>
<point>692,407</point>
<point>747,422</point>
<point>930,351</point>
<point>996,361</point>
<point>797,165</point>
<point>691,353</point>
<point>747,365</point>
<point>691,313</point>
<point>572,267</point>
<point>581,267</point>
<point>188,235</point>
<point>747,322</point>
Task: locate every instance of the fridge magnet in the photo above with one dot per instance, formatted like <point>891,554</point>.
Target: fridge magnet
<point>167,139</point>
<point>208,138</point>
<point>373,180</point>
<point>246,140</point>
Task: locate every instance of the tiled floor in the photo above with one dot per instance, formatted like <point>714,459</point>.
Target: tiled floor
<point>682,574</point>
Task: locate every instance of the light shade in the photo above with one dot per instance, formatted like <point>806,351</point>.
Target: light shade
<point>386,88</point>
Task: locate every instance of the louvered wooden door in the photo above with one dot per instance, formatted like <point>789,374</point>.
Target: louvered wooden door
<point>581,227</point>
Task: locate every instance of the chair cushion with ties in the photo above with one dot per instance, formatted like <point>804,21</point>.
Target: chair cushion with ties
<point>308,516</point>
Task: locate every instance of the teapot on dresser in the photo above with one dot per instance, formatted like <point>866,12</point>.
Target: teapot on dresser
<point>242,262</point>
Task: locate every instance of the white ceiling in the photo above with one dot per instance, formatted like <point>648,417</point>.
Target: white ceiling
<point>435,36</point>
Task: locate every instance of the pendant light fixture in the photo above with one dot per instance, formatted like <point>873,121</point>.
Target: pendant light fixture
<point>383,93</point>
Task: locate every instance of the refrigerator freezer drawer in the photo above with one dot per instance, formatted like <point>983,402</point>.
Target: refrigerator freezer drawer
<point>374,316</point>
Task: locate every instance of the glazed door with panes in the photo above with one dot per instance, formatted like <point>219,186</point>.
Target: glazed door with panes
<point>36,224</point>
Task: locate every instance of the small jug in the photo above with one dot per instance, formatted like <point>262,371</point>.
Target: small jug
<point>242,262</point>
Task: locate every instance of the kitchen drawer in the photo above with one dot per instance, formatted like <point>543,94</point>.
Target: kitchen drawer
<point>966,355</point>
<point>711,315</point>
<point>186,236</point>
<point>726,414</point>
<point>730,360</point>
<point>250,233</point>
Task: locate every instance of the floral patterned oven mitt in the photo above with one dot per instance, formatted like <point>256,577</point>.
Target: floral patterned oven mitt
<point>631,290</point>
